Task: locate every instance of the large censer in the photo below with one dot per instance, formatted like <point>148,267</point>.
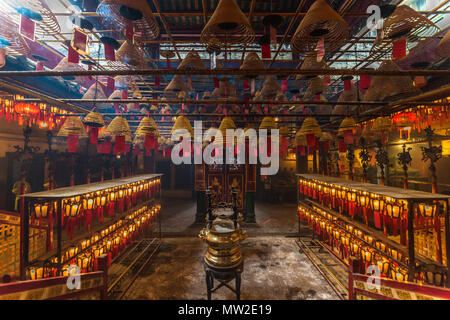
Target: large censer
<point>223,236</point>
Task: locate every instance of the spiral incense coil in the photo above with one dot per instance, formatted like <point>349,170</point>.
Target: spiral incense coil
<point>145,25</point>
<point>347,124</point>
<point>130,54</point>
<point>214,46</point>
<point>119,127</point>
<point>94,119</point>
<point>320,22</point>
<point>177,84</point>
<point>316,86</point>
<point>252,62</point>
<point>182,122</point>
<point>385,88</point>
<point>268,123</point>
<point>326,136</point>
<point>192,61</point>
<point>408,23</point>
<point>228,25</point>
<point>72,126</point>
<point>443,48</point>
<point>17,44</point>
<point>310,63</point>
<point>117,94</point>
<point>310,126</point>
<point>226,90</point>
<point>49,24</point>
<point>147,126</point>
<point>95,92</point>
<point>270,88</point>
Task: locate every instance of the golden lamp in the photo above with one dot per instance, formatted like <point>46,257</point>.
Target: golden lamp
<point>41,210</point>
<point>427,210</point>
<point>72,208</point>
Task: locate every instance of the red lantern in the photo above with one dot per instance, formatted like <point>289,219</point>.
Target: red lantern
<point>26,109</point>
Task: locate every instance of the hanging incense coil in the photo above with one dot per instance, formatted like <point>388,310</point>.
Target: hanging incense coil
<point>72,126</point>
<point>182,122</point>
<point>270,88</point>
<point>310,63</point>
<point>323,108</point>
<point>147,126</point>
<point>326,136</point>
<point>346,125</point>
<point>117,94</point>
<point>443,48</point>
<point>228,25</point>
<point>206,95</point>
<point>17,44</point>
<point>49,24</point>
<point>131,55</point>
<point>102,134</point>
<point>192,61</point>
<point>252,62</point>
<point>321,21</point>
<point>408,23</point>
<point>125,83</point>
<point>346,95</point>
<point>94,119</point>
<point>175,85</point>
<point>316,86</point>
<point>310,126</point>
<point>214,46</point>
<point>119,127</point>
<point>226,90</point>
<point>382,124</point>
<point>144,22</point>
<point>268,123</point>
<point>227,123</point>
<point>65,65</point>
<point>385,88</point>
<point>95,92</point>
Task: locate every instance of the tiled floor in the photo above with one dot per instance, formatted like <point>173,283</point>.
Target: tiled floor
<point>274,268</point>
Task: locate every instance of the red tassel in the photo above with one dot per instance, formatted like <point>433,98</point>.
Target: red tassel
<point>27,27</point>
<point>129,30</point>
<point>347,85</point>
<point>39,66</point>
<point>137,150</point>
<point>399,49</point>
<point>216,82</point>
<point>342,146</point>
<point>73,56</point>
<point>148,141</point>
<point>364,82</point>
<point>326,146</point>
<point>310,140</point>
<point>157,81</point>
<point>120,144</point>
<point>93,137</point>
<point>110,83</point>
<point>265,51</point>
<point>110,54</point>
<point>320,49</point>
<point>246,84</point>
<point>284,85</point>
<point>72,143</point>
<point>348,136</point>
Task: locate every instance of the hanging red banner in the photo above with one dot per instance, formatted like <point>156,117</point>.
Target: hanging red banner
<point>399,49</point>
<point>27,27</point>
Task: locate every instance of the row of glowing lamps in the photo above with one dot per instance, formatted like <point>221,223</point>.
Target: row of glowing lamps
<point>351,238</point>
<point>127,194</point>
<point>319,190</point>
<point>110,241</point>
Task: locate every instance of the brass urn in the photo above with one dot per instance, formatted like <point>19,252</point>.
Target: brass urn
<point>223,237</point>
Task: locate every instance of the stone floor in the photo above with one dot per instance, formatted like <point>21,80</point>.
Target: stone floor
<point>274,268</point>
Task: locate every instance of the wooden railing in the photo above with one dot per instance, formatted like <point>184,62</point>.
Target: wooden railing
<point>93,285</point>
<point>361,287</point>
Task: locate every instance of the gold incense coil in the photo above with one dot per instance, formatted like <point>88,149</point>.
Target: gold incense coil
<point>386,88</point>
<point>310,126</point>
<point>228,25</point>
<point>94,119</point>
<point>321,21</point>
